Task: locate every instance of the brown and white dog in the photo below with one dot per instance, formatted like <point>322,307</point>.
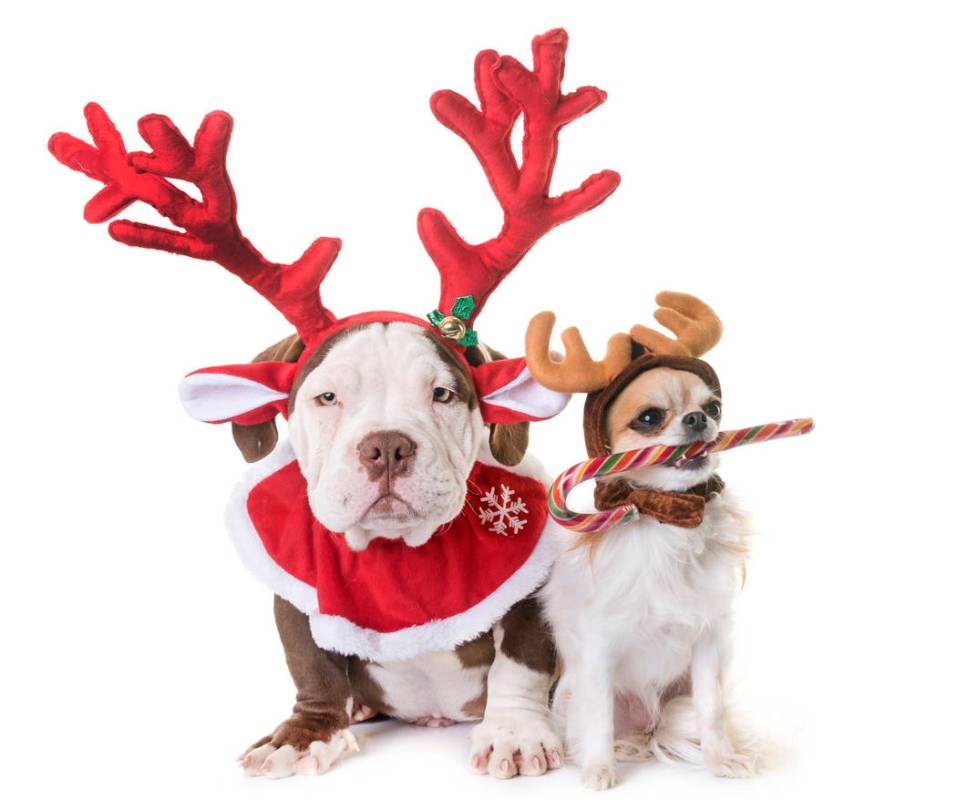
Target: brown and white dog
<point>387,440</point>
<point>388,456</point>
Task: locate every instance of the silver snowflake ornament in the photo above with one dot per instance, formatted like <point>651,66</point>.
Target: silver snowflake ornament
<point>503,515</point>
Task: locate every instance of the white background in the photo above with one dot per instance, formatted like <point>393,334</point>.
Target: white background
<point>792,163</point>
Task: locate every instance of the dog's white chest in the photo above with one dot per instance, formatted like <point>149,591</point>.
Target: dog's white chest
<point>643,597</point>
<point>432,687</point>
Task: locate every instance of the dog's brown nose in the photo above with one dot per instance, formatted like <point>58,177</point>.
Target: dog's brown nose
<point>386,454</point>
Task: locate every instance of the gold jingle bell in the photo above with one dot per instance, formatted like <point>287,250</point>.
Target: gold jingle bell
<point>452,328</point>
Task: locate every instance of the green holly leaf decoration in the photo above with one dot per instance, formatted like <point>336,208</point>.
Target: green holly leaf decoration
<point>463,307</point>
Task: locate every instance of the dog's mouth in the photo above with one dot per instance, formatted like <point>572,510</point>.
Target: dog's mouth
<point>691,463</point>
<point>390,507</point>
<point>696,462</point>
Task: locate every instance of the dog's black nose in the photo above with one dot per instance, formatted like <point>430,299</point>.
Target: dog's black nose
<point>386,453</point>
<point>696,420</point>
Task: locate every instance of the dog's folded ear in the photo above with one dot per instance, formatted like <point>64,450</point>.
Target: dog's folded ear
<point>508,443</point>
<point>257,441</point>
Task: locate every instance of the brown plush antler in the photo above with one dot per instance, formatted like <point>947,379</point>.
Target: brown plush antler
<point>209,227</point>
<point>696,327</point>
<point>578,372</point>
<point>506,89</point>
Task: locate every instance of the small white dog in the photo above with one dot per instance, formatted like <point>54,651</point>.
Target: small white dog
<point>642,613</point>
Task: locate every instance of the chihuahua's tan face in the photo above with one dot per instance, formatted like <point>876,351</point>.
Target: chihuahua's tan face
<point>665,406</point>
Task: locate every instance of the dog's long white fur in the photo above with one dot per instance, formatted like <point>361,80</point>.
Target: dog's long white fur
<point>633,615</point>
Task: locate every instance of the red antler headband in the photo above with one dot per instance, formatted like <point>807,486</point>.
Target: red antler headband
<point>207,228</point>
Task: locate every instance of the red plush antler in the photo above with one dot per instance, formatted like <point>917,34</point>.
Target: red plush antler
<point>209,228</point>
<point>505,89</point>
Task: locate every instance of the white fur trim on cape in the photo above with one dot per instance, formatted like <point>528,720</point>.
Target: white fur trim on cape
<point>339,634</point>
<point>214,396</point>
<point>526,395</point>
<point>250,547</point>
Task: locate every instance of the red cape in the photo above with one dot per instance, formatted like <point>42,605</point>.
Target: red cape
<point>392,601</point>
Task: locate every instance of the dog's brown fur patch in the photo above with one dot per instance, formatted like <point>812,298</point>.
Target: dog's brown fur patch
<point>475,708</point>
<point>365,689</point>
<point>321,679</point>
<point>479,652</point>
<point>527,638</point>
<point>301,731</point>
<point>462,381</point>
<point>316,358</point>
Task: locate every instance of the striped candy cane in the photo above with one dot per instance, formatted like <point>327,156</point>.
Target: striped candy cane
<point>645,457</point>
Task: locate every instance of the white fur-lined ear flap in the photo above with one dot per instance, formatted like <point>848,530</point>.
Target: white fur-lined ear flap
<point>510,394</point>
<point>244,393</point>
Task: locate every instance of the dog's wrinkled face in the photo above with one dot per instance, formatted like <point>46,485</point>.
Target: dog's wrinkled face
<point>386,429</point>
<point>665,406</point>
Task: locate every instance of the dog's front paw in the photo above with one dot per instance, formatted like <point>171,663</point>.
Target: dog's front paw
<point>599,775</point>
<point>519,744</point>
<point>295,751</point>
<point>727,762</point>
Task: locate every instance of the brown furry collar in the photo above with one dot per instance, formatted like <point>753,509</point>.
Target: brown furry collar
<point>684,509</point>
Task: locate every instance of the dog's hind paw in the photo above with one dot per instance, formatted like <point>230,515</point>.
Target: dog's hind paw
<point>636,747</point>
<point>362,713</point>
<point>518,744</point>
<point>730,764</point>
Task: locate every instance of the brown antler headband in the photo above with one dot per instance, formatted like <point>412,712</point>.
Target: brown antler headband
<point>696,327</point>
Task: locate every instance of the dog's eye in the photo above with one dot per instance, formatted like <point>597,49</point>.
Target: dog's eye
<point>326,399</point>
<point>713,409</point>
<point>442,395</point>
<point>648,419</point>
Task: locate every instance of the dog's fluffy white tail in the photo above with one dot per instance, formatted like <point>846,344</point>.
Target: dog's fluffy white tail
<point>675,738</point>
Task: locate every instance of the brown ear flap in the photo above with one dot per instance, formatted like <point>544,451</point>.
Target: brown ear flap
<point>508,443</point>
<point>257,441</point>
